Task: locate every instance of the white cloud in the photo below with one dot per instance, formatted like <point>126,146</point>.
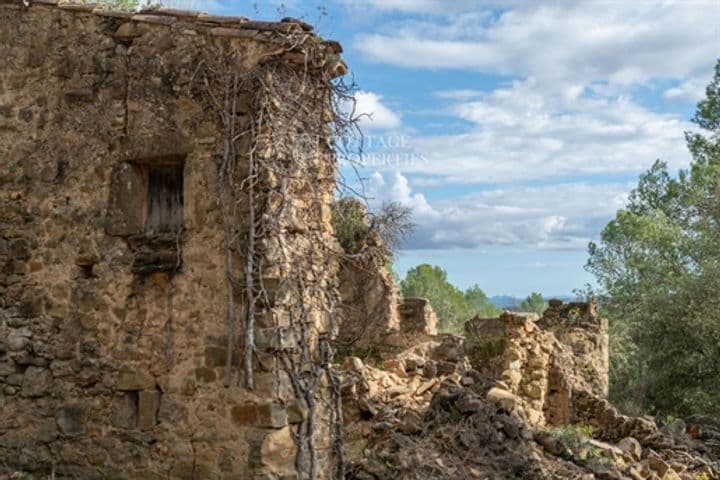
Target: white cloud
<point>691,90</point>
<point>418,6</point>
<point>373,113</point>
<point>558,216</point>
<point>569,111</point>
<point>594,40</point>
<point>520,133</point>
<point>462,94</point>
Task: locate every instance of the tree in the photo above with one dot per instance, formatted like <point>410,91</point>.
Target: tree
<point>357,229</point>
<point>431,282</point>
<point>658,266</point>
<point>479,303</point>
<point>533,303</point>
<point>452,306</point>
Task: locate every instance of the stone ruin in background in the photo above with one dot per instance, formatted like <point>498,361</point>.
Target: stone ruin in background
<point>543,361</point>
<point>554,369</point>
<point>374,319</point>
<point>519,396</point>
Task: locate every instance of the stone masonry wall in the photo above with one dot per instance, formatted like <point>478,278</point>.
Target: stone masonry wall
<point>113,289</point>
<point>544,365</point>
<point>417,317</point>
<point>578,325</point>
<point>369,307</point>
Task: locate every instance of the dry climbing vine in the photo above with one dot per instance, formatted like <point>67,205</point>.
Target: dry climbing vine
<point>282,120</point>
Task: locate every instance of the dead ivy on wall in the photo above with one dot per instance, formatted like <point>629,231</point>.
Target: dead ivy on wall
<point>284,122</point>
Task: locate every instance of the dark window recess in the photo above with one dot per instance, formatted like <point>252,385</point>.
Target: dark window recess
<point>165,199</point>
<point>86,271</point>
<point>146,207</point>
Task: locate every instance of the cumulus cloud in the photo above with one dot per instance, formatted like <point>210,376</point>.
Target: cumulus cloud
<point>559,216</point>
<point>594,40</point>
<point>570,110</point>
<point>398,190</point>
<point>519,133</point>
<point>418,6</point>
<point>691,90</point>
<point>373,113</point>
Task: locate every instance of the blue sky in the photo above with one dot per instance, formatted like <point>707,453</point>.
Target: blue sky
<point>514,129</point>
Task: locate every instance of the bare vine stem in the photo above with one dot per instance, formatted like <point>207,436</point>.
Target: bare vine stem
<point>275,150</point>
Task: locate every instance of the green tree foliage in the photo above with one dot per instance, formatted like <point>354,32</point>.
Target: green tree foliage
<point>658,267</point>
<point>126,4</point>
<point>357,229</point>
<point>350,224</point>
<point>452,306</point>
<point>479,303</point>
<point>533,303</point>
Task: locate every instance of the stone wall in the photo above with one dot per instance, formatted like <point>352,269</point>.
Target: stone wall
<point>417,317</point>
<point>578,325</point>
<point>374,319</point>
<point>369,307</point>
<point>543,366</point>
<point>114,308</point>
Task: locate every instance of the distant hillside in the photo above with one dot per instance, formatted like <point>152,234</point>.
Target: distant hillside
<point>509,302</point>
<point>505,302</point>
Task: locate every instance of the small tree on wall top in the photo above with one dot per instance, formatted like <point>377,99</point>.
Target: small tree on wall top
<point>358,230</point>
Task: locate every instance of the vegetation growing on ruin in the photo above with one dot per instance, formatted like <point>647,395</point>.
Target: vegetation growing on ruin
<point>358,229</point>
<point>257,180</point>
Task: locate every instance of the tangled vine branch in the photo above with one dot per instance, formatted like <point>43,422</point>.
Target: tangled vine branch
<point>281,121</point>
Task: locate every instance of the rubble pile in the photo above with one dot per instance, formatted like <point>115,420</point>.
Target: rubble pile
<point>510,401</point>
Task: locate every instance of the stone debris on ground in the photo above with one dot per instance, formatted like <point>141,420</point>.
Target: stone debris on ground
<point>446,408</point>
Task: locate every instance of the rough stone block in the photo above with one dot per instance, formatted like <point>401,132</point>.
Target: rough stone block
<point>171,410</point>
<point>503,399</point>
<point>205,374</point>
<point>275,339</point>
<point>297,412</point>
<point>264,415</point>
<point>71,419</point>
<point>217,356</point>
<point>277,451</point>
<point>36,382</point>
<point>631,447</point>
<point>127,32</point>
<point>124,410</point>
<point>417,316</point>
<point>17,340</point>
<point>533,391</point>
<point>135,380</point>
<point>148,405</point>
<point>16,379</point>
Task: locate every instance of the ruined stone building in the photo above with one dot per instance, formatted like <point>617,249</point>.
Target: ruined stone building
<point>171,291</point>
<point>167,282</point>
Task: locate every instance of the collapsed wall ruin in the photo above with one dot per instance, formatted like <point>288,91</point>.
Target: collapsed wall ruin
<point>373,317</point>
<point>167,280</point>
<point>553,369</point>
<point>509,400</point>
<point>540,362</point>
